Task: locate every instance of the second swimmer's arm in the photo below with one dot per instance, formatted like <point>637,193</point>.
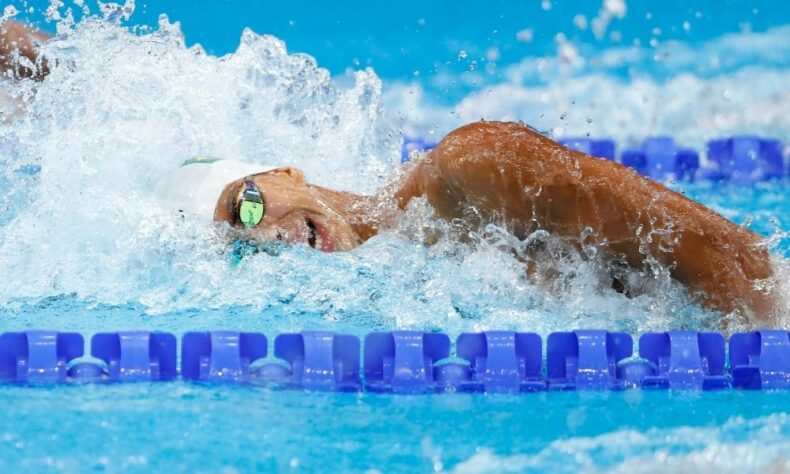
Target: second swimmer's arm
<point>17,40</point>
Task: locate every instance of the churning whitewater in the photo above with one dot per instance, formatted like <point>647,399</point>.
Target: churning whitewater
<point>83,149</point>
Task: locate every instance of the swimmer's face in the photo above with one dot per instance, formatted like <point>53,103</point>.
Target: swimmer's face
<point>294,212</point>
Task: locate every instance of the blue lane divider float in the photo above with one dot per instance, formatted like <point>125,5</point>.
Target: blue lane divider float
<point>586,359</point>
<point>502,361</point>
<point>408,361</point>
<point>38,356</point>
<point>403,361</point>
<point>742,159</point>
<point>598,148</point>
<point>317,360</point>
<point>660,158</point>
<point>220,356</point>
<point>132,356</point>
<point>746,159</point>
<point>684,359</point>
<point>759,360</point>
<point>411,144</point>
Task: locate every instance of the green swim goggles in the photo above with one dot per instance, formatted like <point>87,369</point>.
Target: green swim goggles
<point>250,205</point>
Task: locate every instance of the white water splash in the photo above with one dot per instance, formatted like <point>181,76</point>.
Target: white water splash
<point>692,92</point>
<point>739,446</point>
<point>120,109</point>
<point>610,9</point>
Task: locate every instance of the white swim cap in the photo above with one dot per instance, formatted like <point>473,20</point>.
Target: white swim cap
<point>196,185</point>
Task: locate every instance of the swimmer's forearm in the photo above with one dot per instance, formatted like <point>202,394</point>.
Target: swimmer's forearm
<point>18,41</point>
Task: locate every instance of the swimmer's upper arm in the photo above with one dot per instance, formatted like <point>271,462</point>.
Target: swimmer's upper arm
<point>507,169</point>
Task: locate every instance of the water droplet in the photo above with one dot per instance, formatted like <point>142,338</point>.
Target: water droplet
<point>8,12</point>
<point>525,35</point>
<point>580,22</point>
<point>462,54</point>
<point>492,54</point>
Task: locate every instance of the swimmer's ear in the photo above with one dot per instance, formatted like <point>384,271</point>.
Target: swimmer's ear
<point>294,173</point>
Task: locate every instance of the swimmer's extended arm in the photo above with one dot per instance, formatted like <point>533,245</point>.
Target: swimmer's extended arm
<point>507,170</point>
<point>18,41</point>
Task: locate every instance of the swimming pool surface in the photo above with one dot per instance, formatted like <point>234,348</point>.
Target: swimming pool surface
<point>194,428</point>
<point>85,248</point>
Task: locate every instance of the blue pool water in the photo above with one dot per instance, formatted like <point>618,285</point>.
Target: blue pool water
<point>84,247</point>
<point>193,428</point>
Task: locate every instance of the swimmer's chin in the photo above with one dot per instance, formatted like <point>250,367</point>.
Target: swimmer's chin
<point>336,240</point>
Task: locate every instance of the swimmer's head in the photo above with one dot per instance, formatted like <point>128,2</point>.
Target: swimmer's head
<point>193,187</point>
<point>279,205</point>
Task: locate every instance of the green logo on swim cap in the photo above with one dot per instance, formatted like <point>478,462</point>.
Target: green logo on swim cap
<point>200,159</point>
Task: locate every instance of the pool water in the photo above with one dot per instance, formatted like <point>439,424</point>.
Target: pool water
<point>84,247</point>
<point>207,428</point>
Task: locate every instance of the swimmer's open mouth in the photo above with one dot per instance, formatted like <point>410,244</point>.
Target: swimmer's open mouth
<point>318,236</point>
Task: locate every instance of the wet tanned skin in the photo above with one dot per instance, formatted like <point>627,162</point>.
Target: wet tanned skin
<point>509,173</point>
<point>535,183</point>
<point>299,212</point>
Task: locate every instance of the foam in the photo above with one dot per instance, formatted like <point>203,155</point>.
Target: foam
<point>120,110</point>
<point>740,445</point>
<point>691,92</point>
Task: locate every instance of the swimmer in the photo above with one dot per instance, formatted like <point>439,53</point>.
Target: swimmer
<point>504,173</point>
<point>507,173</point>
